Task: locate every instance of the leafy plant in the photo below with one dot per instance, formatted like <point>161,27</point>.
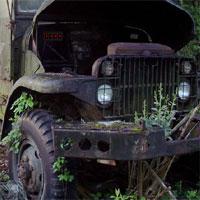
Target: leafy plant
<point>119,196</point>
<point>4,176</point>
<point>182,192</point>
<point>66,144</point>
<point>13,139</point>
<point>192,48</point>
<point>192,195</point>
<point>162,113</point>
<point>64,174</point>
<point>186,195</point>
<point>96,196</point>
<point>22,104</point>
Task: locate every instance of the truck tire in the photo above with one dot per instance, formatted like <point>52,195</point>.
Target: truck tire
<point>33,164</point>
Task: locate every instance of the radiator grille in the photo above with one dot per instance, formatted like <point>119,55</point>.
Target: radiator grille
<point>136,78</point>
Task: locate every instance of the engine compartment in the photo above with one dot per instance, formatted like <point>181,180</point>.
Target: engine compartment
<point>74,46</point>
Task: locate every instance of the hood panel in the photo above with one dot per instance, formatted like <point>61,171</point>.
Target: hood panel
<point>164,20</point>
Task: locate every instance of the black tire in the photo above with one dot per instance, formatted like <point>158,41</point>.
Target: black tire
<point>35,159</point>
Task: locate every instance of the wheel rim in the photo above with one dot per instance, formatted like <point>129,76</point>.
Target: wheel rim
<point>30,170</point>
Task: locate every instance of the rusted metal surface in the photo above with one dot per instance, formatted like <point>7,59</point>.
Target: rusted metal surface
<point>126,145</point>
<point>54,83</point>
<point>79,86</point>
<point>139,49</point>
<point>152,10</point>
<point>32,64</point>
<point>136,78</point>
<point>30,171</point>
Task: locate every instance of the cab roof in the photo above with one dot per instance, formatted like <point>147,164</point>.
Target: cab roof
<point>164,20</point>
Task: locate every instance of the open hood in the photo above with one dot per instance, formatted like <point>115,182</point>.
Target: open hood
<point>165,21</point>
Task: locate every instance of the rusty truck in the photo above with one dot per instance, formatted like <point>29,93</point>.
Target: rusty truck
<point>91,61</point>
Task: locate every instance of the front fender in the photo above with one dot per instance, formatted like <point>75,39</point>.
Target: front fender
<point>55,83</point>
<point>79,86</point>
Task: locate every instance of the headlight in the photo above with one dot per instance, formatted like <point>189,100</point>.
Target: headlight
<point>184,90</point>
<point>104,94</point>
<point>186,67</point>
<point>107,68</point>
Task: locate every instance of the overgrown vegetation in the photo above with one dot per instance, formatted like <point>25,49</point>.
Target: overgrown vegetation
<point>4,176</point>
<point>13,139</point>
<point>20,106</point>
<point>193,7</point>
<point>162,113</point>
<point>59,167</point>
<point>115,195</point>
<point>182,192</point>
<point>119,196</point>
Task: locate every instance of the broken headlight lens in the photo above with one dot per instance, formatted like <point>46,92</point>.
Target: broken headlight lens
<point>186,67</point>
<point>107,68</point>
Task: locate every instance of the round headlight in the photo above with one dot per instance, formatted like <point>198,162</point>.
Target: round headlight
<point>184,90</point>
<point>104,94</point>
<point>107,68</point>
<point>186,67</point>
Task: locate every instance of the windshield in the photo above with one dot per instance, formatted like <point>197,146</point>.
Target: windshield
<point>29,5</point>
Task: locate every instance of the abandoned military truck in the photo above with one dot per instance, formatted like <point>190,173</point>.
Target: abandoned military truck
<point>90,62</point>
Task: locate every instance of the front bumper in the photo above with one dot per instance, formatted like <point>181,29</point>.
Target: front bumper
<point>80,141</point>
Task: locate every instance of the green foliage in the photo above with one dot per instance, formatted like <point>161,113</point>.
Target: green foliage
<point>13,139</point>
<point>22,104</point>
<point>104,195</point>
<point>58,164</point>
<point>4,177</point>
<point>66,144</point>
<point>192,48</point>
<point>183,193</point>
<point>192,195</point>
<point>162,113</point>
<point>63,173</point>
<point>96,196</point>
<point>186,195</point>
<point>119,196</point>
